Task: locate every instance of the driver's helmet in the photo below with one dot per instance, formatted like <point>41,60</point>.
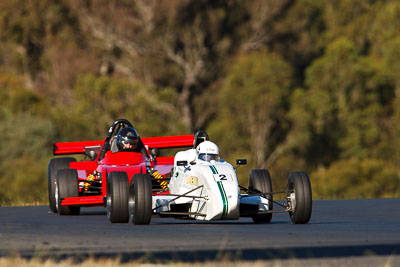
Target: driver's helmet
<point>207,151</point>
<point>127,139</point>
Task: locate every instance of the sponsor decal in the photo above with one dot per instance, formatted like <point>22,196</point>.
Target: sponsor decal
<point>192,180</point>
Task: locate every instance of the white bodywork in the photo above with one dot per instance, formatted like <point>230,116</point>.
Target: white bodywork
<point>217,195</point>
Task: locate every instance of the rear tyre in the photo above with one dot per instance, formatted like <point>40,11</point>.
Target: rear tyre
<point>52,168</point>
<point>260,182</point>
<point>299,197</point>
<point>140,199</point>
<point>67,186</point>
<point>117,197</point>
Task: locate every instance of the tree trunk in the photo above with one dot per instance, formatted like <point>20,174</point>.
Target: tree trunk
<point>259,133</point>
<point>184,105</point>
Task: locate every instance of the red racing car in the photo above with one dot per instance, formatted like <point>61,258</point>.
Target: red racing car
<point>111,179</point>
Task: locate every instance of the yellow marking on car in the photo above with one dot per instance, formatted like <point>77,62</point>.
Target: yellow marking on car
<point>192,180</point>
<point>164,184</point>
<point>157,175</point>
<point>87,183</point>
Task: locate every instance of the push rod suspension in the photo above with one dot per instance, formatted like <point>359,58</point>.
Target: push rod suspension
<point>183,195</point>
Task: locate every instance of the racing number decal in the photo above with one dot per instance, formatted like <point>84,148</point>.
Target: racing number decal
<point>222,177</point>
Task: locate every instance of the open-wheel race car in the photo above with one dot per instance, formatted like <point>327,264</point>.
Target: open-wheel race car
<point>195,184</point>
<point>205,187</point>
<point>108,171</point>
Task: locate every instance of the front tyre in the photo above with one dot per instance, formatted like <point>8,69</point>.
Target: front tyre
<point>67,186</point>
<point>52,168</point>
<point>117,197</point>
<point>260,182</point>
<point>299,197</point>
<point>140,199</point>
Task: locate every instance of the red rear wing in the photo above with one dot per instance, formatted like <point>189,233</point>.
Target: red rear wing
<point>74,147</point>
<point>169,141</point>
<point>152,142</point>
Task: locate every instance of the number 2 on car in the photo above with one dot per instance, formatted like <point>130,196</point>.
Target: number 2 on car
<point>222,177</point>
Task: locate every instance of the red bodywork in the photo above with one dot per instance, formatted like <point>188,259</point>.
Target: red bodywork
<point>129,162</point>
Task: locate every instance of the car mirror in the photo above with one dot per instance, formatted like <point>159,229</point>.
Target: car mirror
<point>155,152</point>
<point>182,163</point>
<point>92,151</point>
<point>241,161</point>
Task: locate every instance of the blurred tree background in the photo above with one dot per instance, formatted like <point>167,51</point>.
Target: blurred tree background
<point>291,85</point>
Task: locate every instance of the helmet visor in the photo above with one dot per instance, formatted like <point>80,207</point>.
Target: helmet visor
<point>130,141</point>
<point>208,157</point>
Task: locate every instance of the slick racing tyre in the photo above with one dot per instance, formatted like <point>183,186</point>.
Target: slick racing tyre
<point>117,197</point>
<point>299,197</point>
<point>140,199</point>
<point>52,168</point>
<point>67,186</point>
<point>260,182</point>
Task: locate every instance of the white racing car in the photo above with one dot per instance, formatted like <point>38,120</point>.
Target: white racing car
<point>205,187</point>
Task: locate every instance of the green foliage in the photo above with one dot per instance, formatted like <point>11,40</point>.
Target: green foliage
<point>385,26</point>
<point>26,148</point>
<point>24,181</point>
<point>16,98</point>
<point>344,105</point>
<point>254,97</point>
<point>98,101</point>
<point>352,178</point>
<point>29,25</point>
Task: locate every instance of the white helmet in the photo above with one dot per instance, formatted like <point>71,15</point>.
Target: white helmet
<point>207,151</point>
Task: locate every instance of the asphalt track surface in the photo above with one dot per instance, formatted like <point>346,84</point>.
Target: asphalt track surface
<point>338,228</point>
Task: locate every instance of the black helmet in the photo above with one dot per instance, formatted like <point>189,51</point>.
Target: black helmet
<point>127,135</point>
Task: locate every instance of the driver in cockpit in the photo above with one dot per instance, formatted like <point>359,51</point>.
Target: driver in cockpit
<point>127,140</point>
<point>207,151</point>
